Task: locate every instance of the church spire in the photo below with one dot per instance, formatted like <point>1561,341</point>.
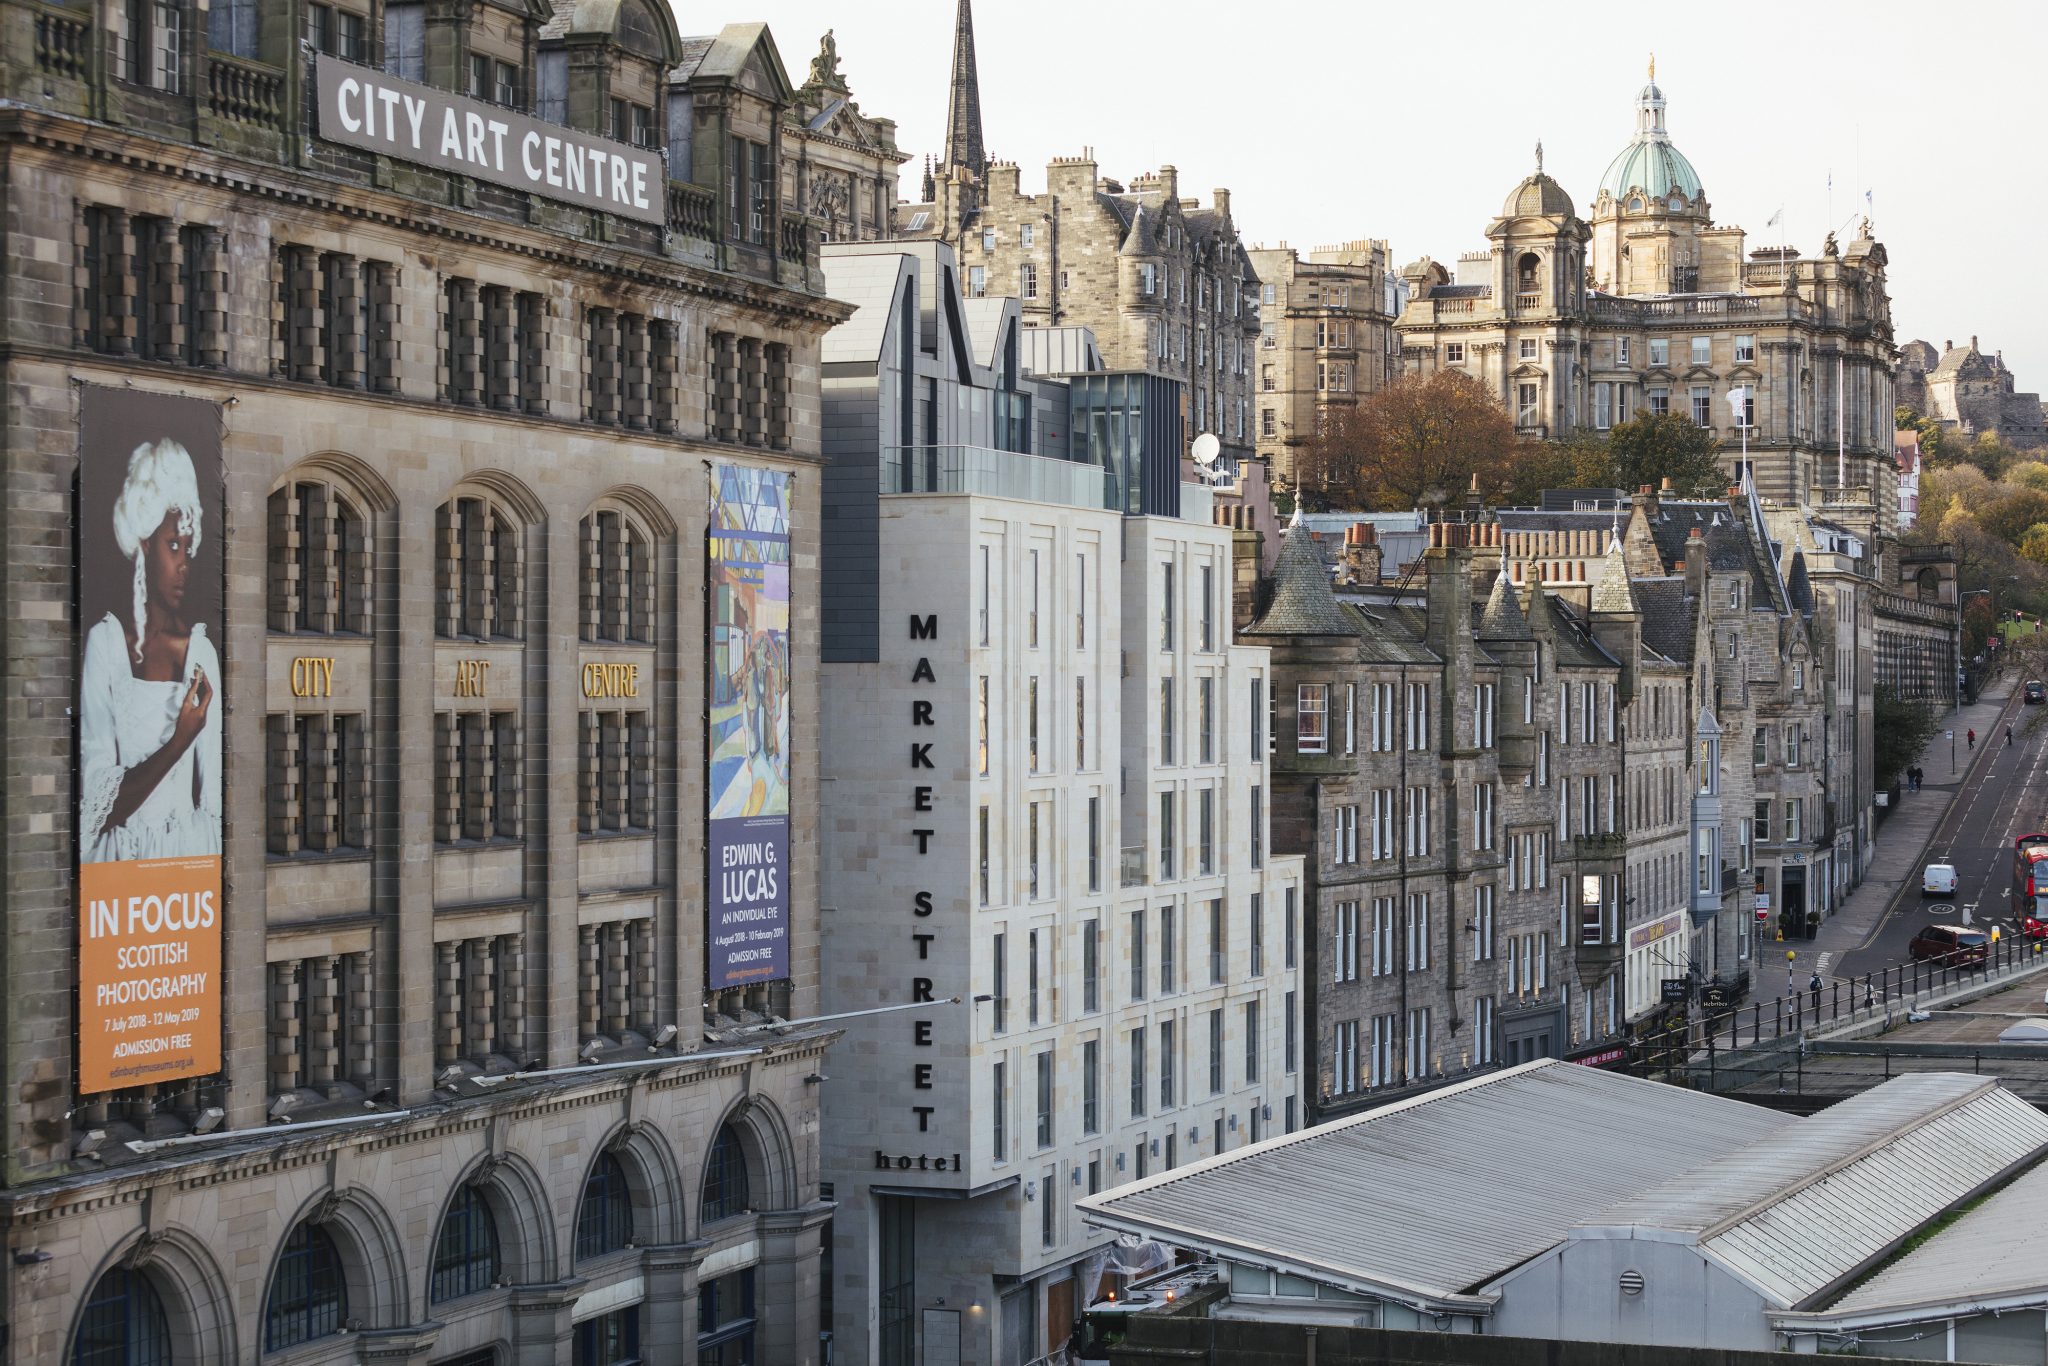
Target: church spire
<point>963,101</point>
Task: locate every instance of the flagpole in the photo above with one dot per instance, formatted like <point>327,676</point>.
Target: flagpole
<point>1841,422</point>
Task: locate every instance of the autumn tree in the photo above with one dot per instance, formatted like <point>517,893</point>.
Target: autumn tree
<point>1579,461</point>
<point>1418,442</point>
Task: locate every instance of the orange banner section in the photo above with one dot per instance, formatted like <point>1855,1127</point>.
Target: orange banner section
<point>148,971</point>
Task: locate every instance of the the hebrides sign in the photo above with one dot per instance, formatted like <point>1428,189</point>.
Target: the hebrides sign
<point>748,936</point>
<point>366,108</point>
<point>149,739</point>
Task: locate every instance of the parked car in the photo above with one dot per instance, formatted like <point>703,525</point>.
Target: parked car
<point>2036,692</point>
<point>1938,880</point>
<point>1954,945</point>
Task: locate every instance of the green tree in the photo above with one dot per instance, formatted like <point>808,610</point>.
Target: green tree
<point>1934,442</point>
<point>2034,544</point>
<point>2009,515</point>
<point>1421,441</point>
<point>1650,448</point>
<point>1579,461</point>
<point>1900,732</point>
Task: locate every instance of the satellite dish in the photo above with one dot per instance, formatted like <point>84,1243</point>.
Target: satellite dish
<point>1206,449</point>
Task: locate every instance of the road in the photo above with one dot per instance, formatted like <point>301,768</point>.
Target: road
<point>2006,799</point>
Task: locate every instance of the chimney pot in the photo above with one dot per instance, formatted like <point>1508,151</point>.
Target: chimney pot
<point>1644,491</point>
<point>1696,535</point>
<point>1973,341</point>
<point>1666,486</point>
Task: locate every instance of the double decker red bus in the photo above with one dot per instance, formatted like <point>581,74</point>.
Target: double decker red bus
<point>2030,885</point>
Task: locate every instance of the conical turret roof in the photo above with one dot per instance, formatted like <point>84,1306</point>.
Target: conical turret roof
<point>1303,604</point>
<point>1502,617</point>
<point>1614,593</point>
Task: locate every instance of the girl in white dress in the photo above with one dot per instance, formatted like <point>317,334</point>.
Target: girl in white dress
<point>149,737</point>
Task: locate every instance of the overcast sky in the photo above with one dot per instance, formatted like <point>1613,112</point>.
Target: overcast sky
<point>1412,122</point>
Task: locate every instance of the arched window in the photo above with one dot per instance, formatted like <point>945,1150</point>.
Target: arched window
<point>124,1324</point>
<point>1525,273</point>
<point>725,1178</point>
<point>617,580</point>
<point>477,570</point>
<point>604,1221</point>
<point>319,561</point>
<point>308,1297</point>
<point>466,1253</point>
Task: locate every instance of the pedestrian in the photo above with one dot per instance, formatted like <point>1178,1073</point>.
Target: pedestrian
<point>2008,737</point>
<point>1814,987</point>
<point>1973,738</point>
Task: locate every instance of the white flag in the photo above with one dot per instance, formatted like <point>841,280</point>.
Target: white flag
<point>1738,399</point>
<point>1772,221</point>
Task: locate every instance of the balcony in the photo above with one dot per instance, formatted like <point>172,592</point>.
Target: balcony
<point>245,92</point>
<point>1528,302</point>
<point>692,211</point>
<point>992,474</point>
<point>63,45</point>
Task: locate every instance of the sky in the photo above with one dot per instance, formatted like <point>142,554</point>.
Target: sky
<point>1411,123</point>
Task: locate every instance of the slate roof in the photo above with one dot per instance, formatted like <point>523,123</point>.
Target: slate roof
<point>1502,618</point>
<point>1302,604</point>
<point>1798,586</point>
<point>1729,543</point>
<point>872,282</point>
<point>1667,617</point>
<point>1576,648</point>
<point>1612,591</point>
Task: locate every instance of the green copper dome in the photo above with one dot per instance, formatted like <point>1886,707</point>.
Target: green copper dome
<point>1650,163</point>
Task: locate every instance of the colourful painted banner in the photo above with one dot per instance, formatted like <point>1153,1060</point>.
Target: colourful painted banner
<point>747,938</point>
<point>149,746</point>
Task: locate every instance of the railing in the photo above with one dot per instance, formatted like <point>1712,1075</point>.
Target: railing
<point>992,473</point>
<point>1875,995</point>
<point>692,210</point>
<point>245,92</point>
<point>1766,272</point>
<point>1131,866</point>
<point>1455,305</point>
<point>1636,310</point>
<point>799,237</point>
<point>1853,496</point>
<point>1529,300</point>
<point>63,45</point>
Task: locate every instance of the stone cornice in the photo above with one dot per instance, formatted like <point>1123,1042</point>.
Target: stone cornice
<point>111,146</point>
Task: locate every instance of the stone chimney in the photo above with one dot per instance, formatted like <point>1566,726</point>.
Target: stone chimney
<point>1002,180</point>
<point>1646,499</point>
<point>1246,545</point>
<point>1072,178</point>
<point>1696,564</point>
<point>1169,182</point>
<point>1359,561</point>
<point>1448,593</point>
<point>1220,200</point>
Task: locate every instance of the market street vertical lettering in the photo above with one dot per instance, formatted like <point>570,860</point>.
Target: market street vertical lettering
<point>922,628</point>
<point>149,739</point>
<point>748,736</point>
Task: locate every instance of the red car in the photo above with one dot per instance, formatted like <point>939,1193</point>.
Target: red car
<point>1952,945</point>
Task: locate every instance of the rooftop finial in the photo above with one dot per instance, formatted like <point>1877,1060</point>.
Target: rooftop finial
<point>1539,156</point>
<point>1653,66</point>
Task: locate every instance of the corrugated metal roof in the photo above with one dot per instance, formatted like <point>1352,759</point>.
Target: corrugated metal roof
<point>1795,1215</point>
<point>1429,1198</point>
<point>1999,1248</point>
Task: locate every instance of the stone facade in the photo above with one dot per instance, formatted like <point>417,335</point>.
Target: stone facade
<point>1970,393</point>
<point>1326,339</point>
<point>841,164</point>
<point>1047,761</point>
<point>1580,324</point>
<point>397,349</point>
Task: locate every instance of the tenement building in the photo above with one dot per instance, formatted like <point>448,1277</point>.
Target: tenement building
<point>1048,765</point>
<point>1650,306</point>
<point>1163,283</point>
<point>413,499</point>
<point>1326,338</point>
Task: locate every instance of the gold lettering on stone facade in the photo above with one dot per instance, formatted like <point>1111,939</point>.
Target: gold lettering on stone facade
<point>313,676</point>
<point>611,680</point>
<point>469,677</point>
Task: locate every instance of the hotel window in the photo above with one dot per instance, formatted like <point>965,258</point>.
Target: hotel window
<point>1482,816</point>
<point>1256,933</point>
<point>1312,734</point>
<point>1031,850</point>
<point>1169,1079</point>
<point>987,579</point>
<point>1205,718</point>
<point>1385,1042</point>
<point>1526,413</point>
<point>1269,336</point>
<point>1257,728</point>
<point>1258,832</point>
<point>1137,1059</point>
<point>1167,606</point>
<point>1793,736</point>
<point>1137,955</point>
<point>1205,831</point>
<point>1482,1031</point>
<point>1454,353</point>
<point>1215,1052</point>
<point>1091,966</point>
<point>477,776</point>
<point>1418,1041</point>
<point>477,571</point>
<point>1702,350</point>
<point>981,852</point>
<point>1148,279</point>
<point>1484,714</point>
<point>999,1112</point>
<point>999,967</point>
<point>1417,845</point>
<point>1094,843</point>
<point>1091,1086</point>
<point>1169,952</point>
<point>1031,721</point>
<point>1702,405</point>
<point>1660,351</point>
<point>1218,944</point>
<point>1344,834</point>
<point>1080,724</point>
<point>1166,746</point>
<point>981,726</point>
<point>320,561</point>
<point>1081,602</point>
<point>1044,1067</point>
<point>1344,942</point>
<point>1267,427</point>
<point>1745,349</point>
<point>1290,930</point>
<point>1383,820</point>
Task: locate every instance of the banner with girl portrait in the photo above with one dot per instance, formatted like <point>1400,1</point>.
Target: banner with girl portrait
<point>148,544</point>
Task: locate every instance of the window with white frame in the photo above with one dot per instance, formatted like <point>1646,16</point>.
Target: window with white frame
<point>1745,349</point>
<point>1482,1031</point>
<point>1527,349</point>
<point>1702,405</point>
<point>1482,816</point>
<point>1660,351</point>
<point>1385,1042</point>
<point>1482,924</point>
<point>1454,353</point>
<point>1418,716</point>
<point>1418,822</point>
<point>1383,936</point>
<point>1603,405</point>
<point>1311,718</point>
<point>1344,942</point>
<point>1702,350</point>
<point>1418,1041</point>
<point>1350,718</point>
<point>1344,835</point>
<point>1344,1057</point>
<point>1418,932</point>
<point>1621,351</point>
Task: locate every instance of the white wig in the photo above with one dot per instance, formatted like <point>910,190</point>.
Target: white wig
<point>161,480</point>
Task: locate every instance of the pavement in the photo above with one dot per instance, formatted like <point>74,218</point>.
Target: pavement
<point>1967,814</point>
